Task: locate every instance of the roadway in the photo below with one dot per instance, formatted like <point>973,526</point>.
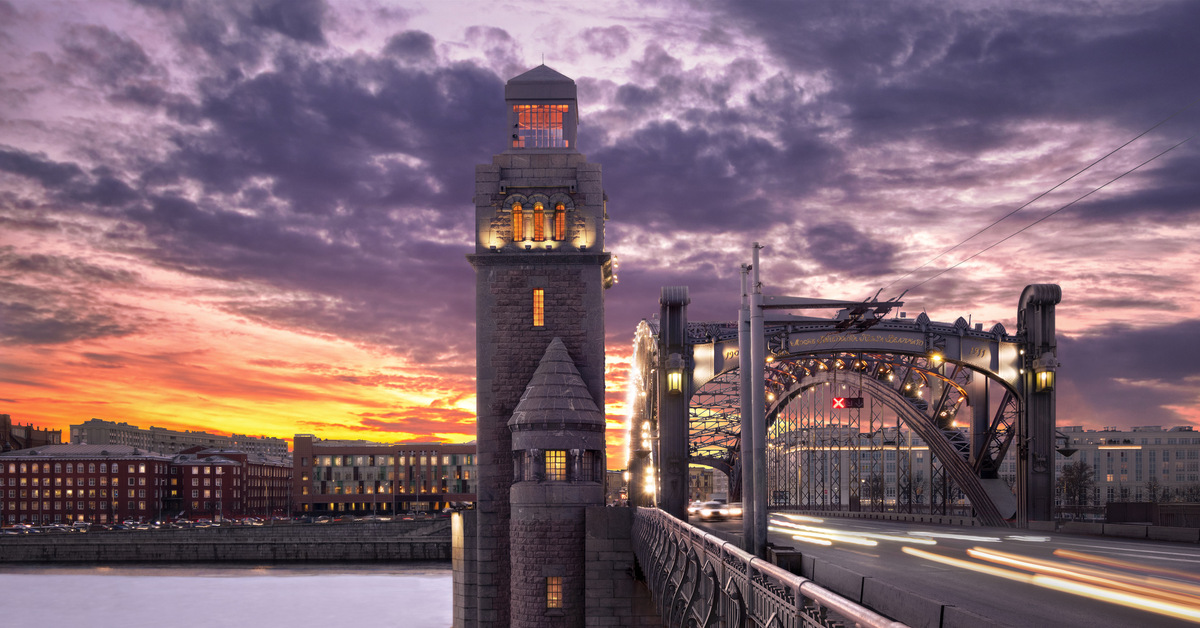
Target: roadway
<point>995,580</point>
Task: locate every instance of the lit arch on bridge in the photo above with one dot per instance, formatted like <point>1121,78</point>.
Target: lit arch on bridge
<point>803,352</point>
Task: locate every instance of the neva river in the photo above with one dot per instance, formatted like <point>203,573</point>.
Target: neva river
<point>149,596</point>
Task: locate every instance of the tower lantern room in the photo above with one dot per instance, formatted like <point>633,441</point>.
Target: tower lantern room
<point>543,112</point>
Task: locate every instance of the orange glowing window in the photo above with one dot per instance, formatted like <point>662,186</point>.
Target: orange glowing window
<point>518,223</point>
<point>554,592</point>
<point>539,222</point>
<point>540,126</point>
<point>556,465</point>
<point>539,307</point>
<point>560,222</point>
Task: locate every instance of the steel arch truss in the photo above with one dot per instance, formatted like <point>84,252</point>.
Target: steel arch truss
<point>914,373</point>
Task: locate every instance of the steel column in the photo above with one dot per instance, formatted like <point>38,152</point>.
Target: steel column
<point>746,412</point>
<point>758,415</point>
<point>1035,447</point>
<point>673,406</point>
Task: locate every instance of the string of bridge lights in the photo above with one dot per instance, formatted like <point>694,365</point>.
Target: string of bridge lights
<point>1040,196</point>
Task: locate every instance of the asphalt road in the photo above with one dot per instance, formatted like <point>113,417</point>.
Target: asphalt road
<point>1005,593</point>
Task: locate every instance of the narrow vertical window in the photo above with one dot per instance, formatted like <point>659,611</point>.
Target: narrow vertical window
<point>539,222</point>
<point>554,592</point>
<point>539,307</point>
<point>560,222</point>
<point>518,223</point>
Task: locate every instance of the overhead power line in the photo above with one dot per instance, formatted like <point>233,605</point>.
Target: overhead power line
<point>1036,198</point>
<point>1043,218</point>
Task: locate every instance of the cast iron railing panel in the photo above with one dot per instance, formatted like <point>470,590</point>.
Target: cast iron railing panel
<point>700,581</point>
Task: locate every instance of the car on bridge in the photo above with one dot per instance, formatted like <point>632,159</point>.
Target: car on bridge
<point>714,511</point>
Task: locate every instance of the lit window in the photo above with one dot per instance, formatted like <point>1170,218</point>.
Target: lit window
<point>560,222</point>
<point>540,126</point>
<point>556,465</point>
<point>554,592</point>
<point>518,217</point>
<point>539,223</point>
<point>539,309</point>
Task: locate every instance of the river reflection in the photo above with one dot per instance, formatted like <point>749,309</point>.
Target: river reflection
<point>208,596</point>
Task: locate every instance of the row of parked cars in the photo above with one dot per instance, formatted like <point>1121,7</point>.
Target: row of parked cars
<point>80,526</point>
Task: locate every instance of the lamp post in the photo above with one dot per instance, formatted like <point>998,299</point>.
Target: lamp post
<point>1043,372</point>
<point>675,374</point>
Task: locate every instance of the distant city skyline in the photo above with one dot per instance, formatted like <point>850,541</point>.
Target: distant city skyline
<point>252,217</point>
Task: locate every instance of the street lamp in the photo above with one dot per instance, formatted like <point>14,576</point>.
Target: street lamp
<point>1043,372</point>
<point>675,374</point>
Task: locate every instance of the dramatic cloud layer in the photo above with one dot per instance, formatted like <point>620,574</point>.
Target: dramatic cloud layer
<point>252,216</point>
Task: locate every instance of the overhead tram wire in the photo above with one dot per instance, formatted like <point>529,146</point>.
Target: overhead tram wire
<point>1039,196</point>
<point>1043,218</point>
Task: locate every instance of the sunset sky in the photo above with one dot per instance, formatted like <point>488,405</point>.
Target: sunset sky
<point>251,216</point>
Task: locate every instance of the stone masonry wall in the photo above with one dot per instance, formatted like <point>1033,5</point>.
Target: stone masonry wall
<point>613,596</point>
<point>347,542</point>
<point>550,547</point>
<point>509,347</point>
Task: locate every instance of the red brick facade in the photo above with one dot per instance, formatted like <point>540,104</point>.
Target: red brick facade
<point>44,486</point>
<point>114,483</point>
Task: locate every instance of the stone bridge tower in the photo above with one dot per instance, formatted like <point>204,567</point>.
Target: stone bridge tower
<point>541,271</point>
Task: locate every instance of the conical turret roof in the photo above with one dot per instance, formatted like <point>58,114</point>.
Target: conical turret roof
<point>556,395</point>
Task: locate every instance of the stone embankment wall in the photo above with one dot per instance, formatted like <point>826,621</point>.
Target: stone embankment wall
<point>347,542</point>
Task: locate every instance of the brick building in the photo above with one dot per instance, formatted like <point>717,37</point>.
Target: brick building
<point>16,436</point>
<point>228,484</point>
<point>700,483</point>
<point>113,483</point>
<point>160,439</point>
<point>361,477</point>
<point>95,483</point>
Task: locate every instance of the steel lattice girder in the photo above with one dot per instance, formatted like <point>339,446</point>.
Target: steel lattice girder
<point>715,422</point>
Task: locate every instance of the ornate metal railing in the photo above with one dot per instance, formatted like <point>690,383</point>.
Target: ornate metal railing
<point>700,581</point>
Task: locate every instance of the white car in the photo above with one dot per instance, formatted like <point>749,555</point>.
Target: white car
<point>712,511</point>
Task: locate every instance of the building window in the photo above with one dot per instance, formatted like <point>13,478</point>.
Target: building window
<point>540,126</point>
<point>554,592</point>
<point>539,222</point>
<point>587,467</point>
<point>539,307</point>
<point>560,222</point>
<point>556,465</point>
<point>518,220</point>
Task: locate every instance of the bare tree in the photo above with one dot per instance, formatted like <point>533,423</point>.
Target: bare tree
<point>1155,491</point>
<point>1075,483</point>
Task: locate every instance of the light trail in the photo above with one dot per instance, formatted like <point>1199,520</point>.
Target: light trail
<point>1149,587</point>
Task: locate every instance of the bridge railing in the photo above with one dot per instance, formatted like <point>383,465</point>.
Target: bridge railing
<point>699,580</point>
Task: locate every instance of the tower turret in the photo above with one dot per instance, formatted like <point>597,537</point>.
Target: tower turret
<point>540,273</point>
<point>558,468</point>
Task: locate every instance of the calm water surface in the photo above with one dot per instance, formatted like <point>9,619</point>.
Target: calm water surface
<point>151,596</point>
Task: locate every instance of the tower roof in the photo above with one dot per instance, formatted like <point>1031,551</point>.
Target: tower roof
<point>540,83</point>
<point>541,74</point>
<point>556,395</point>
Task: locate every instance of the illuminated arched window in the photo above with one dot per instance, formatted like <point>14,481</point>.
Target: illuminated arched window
<point>539,222</point>
<point>560,222</point>
<point>518,217</point>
